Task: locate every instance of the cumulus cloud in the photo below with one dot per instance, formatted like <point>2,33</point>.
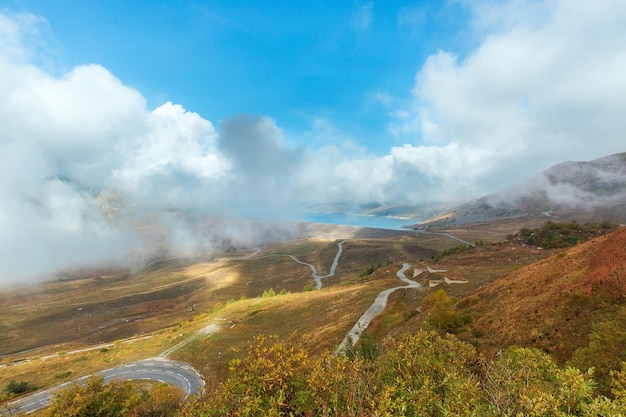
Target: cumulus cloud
<point>546,84</point>
<point>264,168</point>
<point>87,171</point>
<point>88,174</point>
<point>174,163</point>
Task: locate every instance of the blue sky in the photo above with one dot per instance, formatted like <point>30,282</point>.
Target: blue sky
<point>275,108</point>
<point>338,62</point>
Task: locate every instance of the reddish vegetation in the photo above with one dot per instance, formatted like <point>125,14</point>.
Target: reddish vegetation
<point>552,304</point>
<point>607,269</point>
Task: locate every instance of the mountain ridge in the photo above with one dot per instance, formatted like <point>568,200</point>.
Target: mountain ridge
<point>575,190</point>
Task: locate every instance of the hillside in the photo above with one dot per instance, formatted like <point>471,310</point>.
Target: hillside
<point>554,303</point>
<point>550,301</point>
<point>582,191</point>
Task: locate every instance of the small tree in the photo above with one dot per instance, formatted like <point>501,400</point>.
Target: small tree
<point>441,313</point>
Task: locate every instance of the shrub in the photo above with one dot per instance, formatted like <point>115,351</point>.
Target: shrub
<point>441,313</point>
<point>113,399</point>
<point>559,235</point>
<point>604,352</point>
<point>268,293</point>
<point>425,374</point>
<point>267,380</point>
<point>421,374</point>
<point>523,381</point>
<point>453,250</point>
<point>368,348</point>
<point>368,271</point>
<point>16,388</point>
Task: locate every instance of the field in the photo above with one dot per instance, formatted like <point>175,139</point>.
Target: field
<point>236,295</point>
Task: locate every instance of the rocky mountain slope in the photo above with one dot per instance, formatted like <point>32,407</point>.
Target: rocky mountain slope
<point>581,191</point>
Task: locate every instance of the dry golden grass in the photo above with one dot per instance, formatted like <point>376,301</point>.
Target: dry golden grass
<point>90,311</point>
<point>322,318</point>
<point>62,316</point>
<point>551,304</point>
<point>64,367</point>
<point>99,309</point>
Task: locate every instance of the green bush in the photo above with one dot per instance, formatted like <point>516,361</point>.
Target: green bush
<point>368,271</point>
<point>523,381</point>
<point>605,351</point>
<point>560,235</point>
<point>441,313</point>
<point>453,250</point>
<point>268,293</point>
<point>113,399</point>
<point>16,388</point>
<point>421,374</point>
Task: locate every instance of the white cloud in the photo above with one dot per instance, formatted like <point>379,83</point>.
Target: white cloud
<point>382,97</point>
<point>363,17</point>
<point>67,139</point>
<point>546,84</point>
<point>174,163</point>
<point>20,36</point>
<point>89,175</point>
<point>75,143</point>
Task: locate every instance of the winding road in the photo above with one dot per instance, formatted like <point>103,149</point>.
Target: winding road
<point>156,369</point>
<point>175,373</point>
<point>424,232</point>
<point>188,379</point>
<point>318,278</point>
<point>379,305</point>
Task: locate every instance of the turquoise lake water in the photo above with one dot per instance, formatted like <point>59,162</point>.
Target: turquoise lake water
<point>379,222</point>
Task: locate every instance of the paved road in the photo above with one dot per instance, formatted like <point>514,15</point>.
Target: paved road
<point>318,278</point>
<point>424,232</point>
<point>157,369</point>
<point>379,305</point>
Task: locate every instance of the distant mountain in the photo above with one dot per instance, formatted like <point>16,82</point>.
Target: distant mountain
<point>582,191</point>
<point>420,211</point>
